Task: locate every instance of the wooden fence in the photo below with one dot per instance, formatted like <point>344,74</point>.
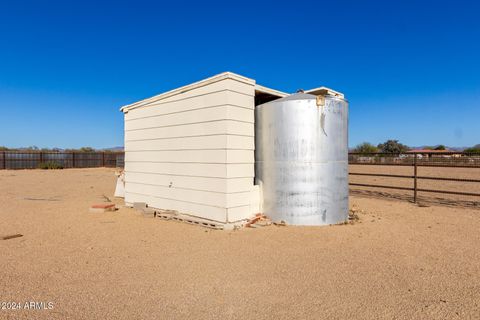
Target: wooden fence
<point>33,159</point>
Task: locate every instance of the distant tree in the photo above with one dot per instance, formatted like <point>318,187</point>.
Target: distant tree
<point>32,148</point>
<point>440,147</point>
<point>82,149</point>
<point>365,148</point>
<point>474,149</point>
<point>2,148</point>
<point>50,150</point>
<point>392,146</point>
<point>86,149</point>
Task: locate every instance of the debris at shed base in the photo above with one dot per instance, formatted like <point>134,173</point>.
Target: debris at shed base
<point>102,207</point>
<point>12,236</point>
<point>260,220</point>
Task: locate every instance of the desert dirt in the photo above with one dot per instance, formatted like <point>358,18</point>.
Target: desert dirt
<point>399,261</point>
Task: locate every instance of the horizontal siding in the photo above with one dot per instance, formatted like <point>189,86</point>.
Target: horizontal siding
<point>238,199</point>
<point>214,199</point>
<point>214,94</point>
<point>187,169</point>
<point>180,156</point>
<point>240,170</point>
<point>199,210</point>
<point>185,104</point>
<point>240,156</point>
<point>192,116</point>
<point>193,152</point>
<point>241,100</point>
<point>240,142</point>
<point>227,84</point>
<point>192,130</point>
<point>240,87</point>
<point>215,170</point>
<point>239,213</point>
<point>183,143</point>
<point>200,91</point>
<point>186,182</point>
<point>192,156</point>
<point>239,184</point>
<point>240,114</point>
<point>220,141</point>
<point>240,128</point>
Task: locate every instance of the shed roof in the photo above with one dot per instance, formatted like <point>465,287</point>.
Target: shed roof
<point>216,78</point>
<point>222,76</point>
<point>428,151</point>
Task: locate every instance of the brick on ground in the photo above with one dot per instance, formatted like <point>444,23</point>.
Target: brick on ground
<point>102,207</point>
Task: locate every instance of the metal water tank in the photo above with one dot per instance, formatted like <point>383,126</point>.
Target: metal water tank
<point>301,158</point>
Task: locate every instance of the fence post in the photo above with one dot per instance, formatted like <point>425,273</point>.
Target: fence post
<point>4,160</point>
<point>103,159</point>
<point>415,178</point>
<point>73,159</point>
<point>41,156</point>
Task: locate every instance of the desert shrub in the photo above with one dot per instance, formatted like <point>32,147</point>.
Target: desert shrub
<point>50,165</point>
<point>365,148</point>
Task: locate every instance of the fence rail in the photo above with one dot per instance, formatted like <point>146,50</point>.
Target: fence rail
<point>394,166</point>
<point>32,160</point>
<point>468,186</point>
<point>424,159</point>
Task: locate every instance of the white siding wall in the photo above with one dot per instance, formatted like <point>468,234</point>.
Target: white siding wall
<point>194,152</point>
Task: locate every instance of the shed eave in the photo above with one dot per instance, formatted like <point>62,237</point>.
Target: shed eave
<point>270,91</point>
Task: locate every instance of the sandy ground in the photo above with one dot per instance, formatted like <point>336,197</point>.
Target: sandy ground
<point>400,261</point>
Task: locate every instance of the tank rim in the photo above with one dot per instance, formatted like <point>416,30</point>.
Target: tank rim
<point>328,96</point>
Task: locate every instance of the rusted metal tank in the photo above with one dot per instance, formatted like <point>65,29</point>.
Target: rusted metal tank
<point>301,158</point>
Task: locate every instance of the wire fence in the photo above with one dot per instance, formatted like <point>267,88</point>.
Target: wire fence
<point>445,177</point>
<point>34,159</point>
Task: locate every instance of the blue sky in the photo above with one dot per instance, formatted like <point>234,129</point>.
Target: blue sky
<point>410,69</point>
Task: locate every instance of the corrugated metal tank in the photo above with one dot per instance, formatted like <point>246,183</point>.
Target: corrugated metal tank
<point>301,159</point>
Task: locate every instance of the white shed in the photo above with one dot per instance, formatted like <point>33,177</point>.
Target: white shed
<point>192,149</point>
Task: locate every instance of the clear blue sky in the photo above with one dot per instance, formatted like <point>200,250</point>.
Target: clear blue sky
<point>410,69</point>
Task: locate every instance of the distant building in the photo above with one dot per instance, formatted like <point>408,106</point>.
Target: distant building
<point>428,153</point>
